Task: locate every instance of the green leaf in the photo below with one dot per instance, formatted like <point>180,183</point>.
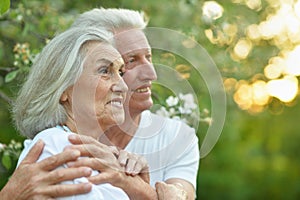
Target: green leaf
<point>4,6</point>
<point>6,161</point>
<point>11,76</point>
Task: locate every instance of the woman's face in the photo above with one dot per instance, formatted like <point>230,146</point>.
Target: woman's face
<point>96,100</point>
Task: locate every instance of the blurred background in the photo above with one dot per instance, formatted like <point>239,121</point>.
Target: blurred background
<point>254,43</point>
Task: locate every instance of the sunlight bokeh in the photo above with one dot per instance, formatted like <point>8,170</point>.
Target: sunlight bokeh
<point>281,28</point>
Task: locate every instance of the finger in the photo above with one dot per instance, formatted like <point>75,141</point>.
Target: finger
<point>81,139</point>
<point>123,157</point>
<point>100,178</point>
<point>91,150</point>
<point>141,166</point>
<point>34,153</point>
<point>57,160</point>
<point>62,190</point>
<point>130,166</point>
<point>159,190</point>
<point>93,163</point>
<point>87,161</point>
<point>137,168</point>
<point>114,150</point>
<point>67,174</point>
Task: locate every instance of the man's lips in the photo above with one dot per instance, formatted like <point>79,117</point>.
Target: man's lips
<point>142,90</point>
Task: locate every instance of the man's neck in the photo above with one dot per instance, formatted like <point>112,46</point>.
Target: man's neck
<point>121,135</point>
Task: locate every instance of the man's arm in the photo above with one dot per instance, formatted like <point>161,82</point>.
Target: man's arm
<point>99,157</point>
<point>33,180</point>
<point>184,187</point>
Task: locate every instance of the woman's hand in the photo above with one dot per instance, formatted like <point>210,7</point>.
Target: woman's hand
<point>108,159</point>
<point>134,164</point>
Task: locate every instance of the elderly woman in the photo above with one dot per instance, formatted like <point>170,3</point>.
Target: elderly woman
<point>75,87</point>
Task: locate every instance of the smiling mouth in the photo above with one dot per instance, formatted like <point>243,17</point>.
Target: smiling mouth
<point>142,90</point>
<point>115,103</point>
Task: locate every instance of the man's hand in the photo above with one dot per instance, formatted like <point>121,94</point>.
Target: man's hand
<point>111,164</point>
<point>103,157</point>
<point>170,191</point>
<point>40,180</point>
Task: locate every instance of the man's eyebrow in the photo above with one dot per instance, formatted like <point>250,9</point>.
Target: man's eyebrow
<point>136,51</point>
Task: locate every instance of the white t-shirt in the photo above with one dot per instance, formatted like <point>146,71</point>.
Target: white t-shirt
<point>56,139</point>
<point>170,147</point>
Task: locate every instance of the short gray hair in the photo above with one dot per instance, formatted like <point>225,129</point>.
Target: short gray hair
<point>56,68</point>
<point>111,19</point>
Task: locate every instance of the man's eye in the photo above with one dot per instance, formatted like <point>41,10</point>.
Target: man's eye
<point>131,60</point>
<point>149,57</point>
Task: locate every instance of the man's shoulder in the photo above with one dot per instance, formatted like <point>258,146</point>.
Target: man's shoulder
<point>171,123</point>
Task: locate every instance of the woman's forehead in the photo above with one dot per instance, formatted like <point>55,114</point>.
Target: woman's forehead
<point>103,50</point>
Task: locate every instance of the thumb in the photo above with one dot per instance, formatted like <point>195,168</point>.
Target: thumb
<point>159,186</point>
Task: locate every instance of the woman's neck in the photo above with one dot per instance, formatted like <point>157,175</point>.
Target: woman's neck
<point>121,135</point>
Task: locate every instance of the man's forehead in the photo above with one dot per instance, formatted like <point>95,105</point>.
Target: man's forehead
<point>131,40</point>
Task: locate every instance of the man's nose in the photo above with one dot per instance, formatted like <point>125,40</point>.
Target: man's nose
<point>147,72</point>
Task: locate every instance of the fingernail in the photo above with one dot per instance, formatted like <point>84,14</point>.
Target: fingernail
<point>87,170</point>
<point>72,137</point>
<point>75,153</point>
<point>70,164</point>
<point>87,186</point>
<point>40,141</point>
<point>68,147</point>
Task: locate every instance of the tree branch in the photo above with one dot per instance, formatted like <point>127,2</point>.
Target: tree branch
<point>5,97</point>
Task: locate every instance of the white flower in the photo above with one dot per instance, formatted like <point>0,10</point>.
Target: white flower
<point>163,112</point>
<point>172,101</point>
<point>19,18</point>
<point>172,111</point>
<point>184,110</point>
<point>188,101</point>
<point>212,10</point>
<point>2,146</point>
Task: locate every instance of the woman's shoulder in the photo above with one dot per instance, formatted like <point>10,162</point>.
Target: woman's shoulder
<point>55,140</point>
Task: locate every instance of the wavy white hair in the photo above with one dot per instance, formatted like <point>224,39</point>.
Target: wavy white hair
<point>111,19</point>
<point>56,68</point>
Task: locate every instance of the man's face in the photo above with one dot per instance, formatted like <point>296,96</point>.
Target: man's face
<point>139,71</point>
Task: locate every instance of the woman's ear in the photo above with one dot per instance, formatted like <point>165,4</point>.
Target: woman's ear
<point>64,97</point>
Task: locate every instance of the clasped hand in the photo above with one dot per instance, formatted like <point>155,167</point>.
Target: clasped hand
<point>114,164</point>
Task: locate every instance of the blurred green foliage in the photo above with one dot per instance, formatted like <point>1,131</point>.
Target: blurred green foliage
<point>257,155</point>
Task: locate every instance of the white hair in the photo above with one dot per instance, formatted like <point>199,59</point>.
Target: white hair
<point>111,19</point>
<point>56,68</point>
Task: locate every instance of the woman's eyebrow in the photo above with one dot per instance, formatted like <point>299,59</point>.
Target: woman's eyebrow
<point>104,60</point>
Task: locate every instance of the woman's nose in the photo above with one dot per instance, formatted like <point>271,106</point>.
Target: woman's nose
<point>120,85</point>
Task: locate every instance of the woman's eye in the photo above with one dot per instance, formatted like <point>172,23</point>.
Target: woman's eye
<point>103,70</point>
